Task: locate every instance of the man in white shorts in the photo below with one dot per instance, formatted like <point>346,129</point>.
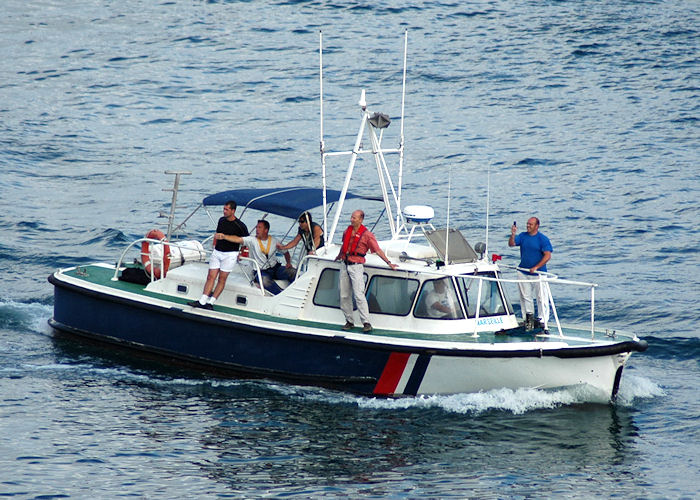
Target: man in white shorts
<point>223,258</point>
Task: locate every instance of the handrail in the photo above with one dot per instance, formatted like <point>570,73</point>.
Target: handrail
<point>159,260</point>
<point>553,277</point>
<point>153,242</point>
<point>120,261</point>
<point>257,272</point>
<point>545,278</point>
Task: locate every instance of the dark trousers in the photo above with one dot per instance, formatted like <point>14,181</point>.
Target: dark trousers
<point>277,272</point>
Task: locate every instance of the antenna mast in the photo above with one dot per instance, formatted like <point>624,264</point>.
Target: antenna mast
<point>173,203</point>
<point>322,146</point>
<point>447,231</point>
<point>488,203</point>
<point>401,138</point>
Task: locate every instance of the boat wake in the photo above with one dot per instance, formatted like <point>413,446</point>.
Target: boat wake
<point>32,316</point>
<point>516,402</point>
<point>634,387</point>
<point>519,401</point>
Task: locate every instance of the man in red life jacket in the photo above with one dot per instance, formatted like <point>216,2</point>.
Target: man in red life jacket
<point>357,241</point>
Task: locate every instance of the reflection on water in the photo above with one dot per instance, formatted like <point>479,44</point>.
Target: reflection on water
<point>302,439</point>
<point>264,435</point>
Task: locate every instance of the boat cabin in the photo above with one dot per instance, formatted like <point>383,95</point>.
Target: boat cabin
<point>442,285</point>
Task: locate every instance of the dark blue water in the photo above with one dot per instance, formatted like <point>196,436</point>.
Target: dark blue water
<point>585,114</point>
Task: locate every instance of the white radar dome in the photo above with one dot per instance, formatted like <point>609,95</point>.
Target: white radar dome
<point>418,213</point>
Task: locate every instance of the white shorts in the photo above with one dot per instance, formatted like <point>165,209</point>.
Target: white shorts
<point>225,261</point>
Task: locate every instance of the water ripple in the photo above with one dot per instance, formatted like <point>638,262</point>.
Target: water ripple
<point>584,113</point>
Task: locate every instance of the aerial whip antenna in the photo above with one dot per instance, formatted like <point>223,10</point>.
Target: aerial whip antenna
<point>322,146</point>
<point>447,231</point>
<point>488,202</point>
<point>401,138</point>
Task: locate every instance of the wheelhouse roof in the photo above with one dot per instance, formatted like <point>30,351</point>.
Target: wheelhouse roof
<point>288,202</point>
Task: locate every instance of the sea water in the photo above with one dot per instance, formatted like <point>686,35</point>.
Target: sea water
<point>584,114</point>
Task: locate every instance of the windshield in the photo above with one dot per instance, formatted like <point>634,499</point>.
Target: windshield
<point>438,300</point>
<point>491,303</point>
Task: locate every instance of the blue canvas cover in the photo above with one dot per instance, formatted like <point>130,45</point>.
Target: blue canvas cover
<point>287,202</point>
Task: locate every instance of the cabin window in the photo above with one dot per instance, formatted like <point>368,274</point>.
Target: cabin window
<point>389,295</point>
<point>327,292</point>
<point>491,303</point>
<point>438,300</point>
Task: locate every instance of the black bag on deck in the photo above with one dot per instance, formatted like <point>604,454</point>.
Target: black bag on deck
<point>135,275</point>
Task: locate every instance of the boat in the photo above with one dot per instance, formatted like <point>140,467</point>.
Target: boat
<point>297,336</point>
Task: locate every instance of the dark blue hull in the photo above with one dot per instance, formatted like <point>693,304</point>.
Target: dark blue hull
<point>222,346</point>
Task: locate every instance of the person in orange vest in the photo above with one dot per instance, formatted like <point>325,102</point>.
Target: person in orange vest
<point>357,241</point>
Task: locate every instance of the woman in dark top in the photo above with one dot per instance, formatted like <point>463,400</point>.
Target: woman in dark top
<point>309,232</point>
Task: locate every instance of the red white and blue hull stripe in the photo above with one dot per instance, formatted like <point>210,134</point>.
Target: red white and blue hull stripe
<point>403,374</point>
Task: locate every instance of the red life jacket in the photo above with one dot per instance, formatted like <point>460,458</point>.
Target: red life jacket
<point>350,247</point>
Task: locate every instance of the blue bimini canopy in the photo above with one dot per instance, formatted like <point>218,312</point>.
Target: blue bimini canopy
<point>287,202</point>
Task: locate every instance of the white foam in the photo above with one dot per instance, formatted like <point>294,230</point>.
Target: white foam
<point>33,316</point>
<point>636,387</point>
<point>517,402</point>
<point>514,401</point>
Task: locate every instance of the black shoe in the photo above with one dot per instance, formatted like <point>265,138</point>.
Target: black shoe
<point>195,303</point>
<point>348,326</point>
<point>208,306</point>
<point>529,322</point>
<point>366,327</point>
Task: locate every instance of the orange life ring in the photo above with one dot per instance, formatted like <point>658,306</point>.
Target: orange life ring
<point>155,234</point>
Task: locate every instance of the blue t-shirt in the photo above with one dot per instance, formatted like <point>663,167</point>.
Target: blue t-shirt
<point>532,249</point>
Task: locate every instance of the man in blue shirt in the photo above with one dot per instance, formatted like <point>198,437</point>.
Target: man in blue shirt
<point>535,252</point>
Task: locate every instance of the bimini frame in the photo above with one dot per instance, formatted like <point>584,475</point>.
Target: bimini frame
<point>385,182</point>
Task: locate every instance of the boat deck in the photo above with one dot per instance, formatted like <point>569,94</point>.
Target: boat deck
<point>101,275</point>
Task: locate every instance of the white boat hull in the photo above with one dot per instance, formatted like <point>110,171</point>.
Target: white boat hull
<point>464,375</point>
